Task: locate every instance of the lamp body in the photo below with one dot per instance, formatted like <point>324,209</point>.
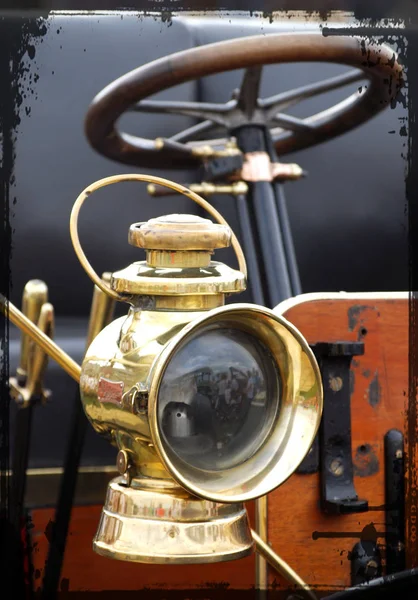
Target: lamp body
<point>147,516</point>
<point>115,378</point>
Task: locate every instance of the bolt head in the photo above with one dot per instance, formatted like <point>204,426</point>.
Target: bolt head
<point>335,383</point>
<point>336,467</point>
<point>122,462</point>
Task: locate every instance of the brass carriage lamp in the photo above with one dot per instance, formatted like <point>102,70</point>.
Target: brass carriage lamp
<point>210,405</point>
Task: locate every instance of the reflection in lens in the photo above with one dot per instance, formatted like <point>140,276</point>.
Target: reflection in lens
<point>218,399</point>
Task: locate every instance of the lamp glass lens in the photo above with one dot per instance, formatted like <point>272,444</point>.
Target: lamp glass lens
<point>218,399</point>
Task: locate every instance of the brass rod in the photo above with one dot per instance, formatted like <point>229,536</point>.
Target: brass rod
<point>280,565</point>
<point>205,188</point>
<point>51,348</point>
<point>261,567</point>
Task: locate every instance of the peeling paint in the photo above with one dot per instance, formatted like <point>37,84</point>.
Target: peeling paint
<point>353,314</point>
<point>374,391</point>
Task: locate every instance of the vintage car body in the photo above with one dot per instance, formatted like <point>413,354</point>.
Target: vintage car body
<point>350,206</point>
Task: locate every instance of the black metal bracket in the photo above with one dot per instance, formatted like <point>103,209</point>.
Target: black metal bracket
<point>338,495</point>
<point>366,562</point>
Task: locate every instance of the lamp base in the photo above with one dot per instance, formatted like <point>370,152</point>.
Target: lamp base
<point>156,521</point>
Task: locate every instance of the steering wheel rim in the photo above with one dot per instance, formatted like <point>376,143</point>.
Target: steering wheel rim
<point>378,63</point>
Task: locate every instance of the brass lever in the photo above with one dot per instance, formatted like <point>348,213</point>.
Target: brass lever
<point>38,364</point>
<point>35,295</point>
<point>27,386</point>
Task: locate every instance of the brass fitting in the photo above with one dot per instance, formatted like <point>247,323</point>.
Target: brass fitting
<point>178,263</point>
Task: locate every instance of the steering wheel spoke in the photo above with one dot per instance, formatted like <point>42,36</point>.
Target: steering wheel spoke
<point>285,100</point>
<point>293,124</point>
<point>249,91</point>
<point>194,132</point>
<point>198,110</point>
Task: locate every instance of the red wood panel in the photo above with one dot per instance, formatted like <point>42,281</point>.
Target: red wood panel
<point>316,545</point>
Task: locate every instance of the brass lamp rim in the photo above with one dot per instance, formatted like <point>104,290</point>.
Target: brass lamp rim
<point>139,278</point>
<point>155,378</point>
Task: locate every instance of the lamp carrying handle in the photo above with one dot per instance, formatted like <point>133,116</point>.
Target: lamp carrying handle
<point>148,179</point>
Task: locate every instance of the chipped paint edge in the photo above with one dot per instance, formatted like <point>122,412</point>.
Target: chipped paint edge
<point>286,305</point>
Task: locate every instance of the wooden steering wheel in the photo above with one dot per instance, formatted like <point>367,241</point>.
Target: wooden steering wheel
<point>375,62</point>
